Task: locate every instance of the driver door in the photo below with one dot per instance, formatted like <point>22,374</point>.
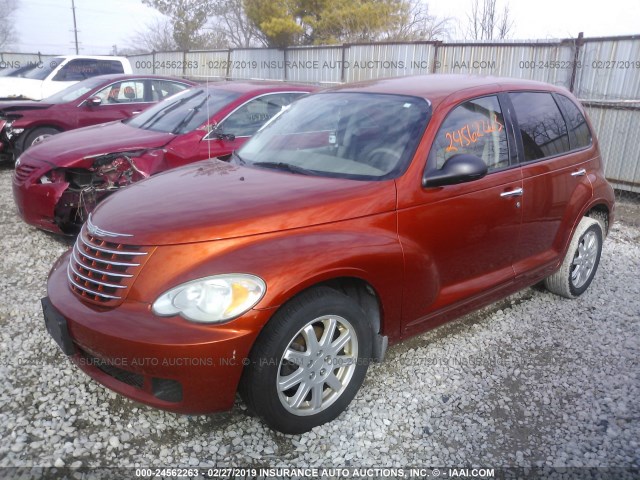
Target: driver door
<point>460,240</point>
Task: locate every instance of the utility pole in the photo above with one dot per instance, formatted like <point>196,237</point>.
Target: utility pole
<point>75,26</point>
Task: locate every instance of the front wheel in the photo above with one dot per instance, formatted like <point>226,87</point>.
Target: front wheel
<point>309,361</point>
<point>581,261</point>
<point>38,135</point>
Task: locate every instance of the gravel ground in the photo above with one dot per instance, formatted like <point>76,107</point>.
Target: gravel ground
<point>533,380</point>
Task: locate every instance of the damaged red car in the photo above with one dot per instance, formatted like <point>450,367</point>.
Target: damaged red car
<point>95,100</point>
<point>58,182</point>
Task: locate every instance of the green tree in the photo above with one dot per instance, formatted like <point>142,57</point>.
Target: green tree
<point>279,20</point>
<point>308,22</point>
<point>188,19</point>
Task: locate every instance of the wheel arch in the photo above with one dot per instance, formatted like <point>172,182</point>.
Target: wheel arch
<point>363,293</point>
<point>22,139</point>
<point>600,209</point>
<point>601,213</point>
<point>35,126</point>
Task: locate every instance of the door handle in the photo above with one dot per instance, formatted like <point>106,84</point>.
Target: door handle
<point>579,173</point>
<point>136,112</point>
<point>516,192</point>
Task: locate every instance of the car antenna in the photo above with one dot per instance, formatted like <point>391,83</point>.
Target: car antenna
<point>208,122</point>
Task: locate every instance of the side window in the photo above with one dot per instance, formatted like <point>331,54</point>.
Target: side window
<point>475,127</point>
<point>77,70</point>
<point>580,135</point>
<point>543,129</point>
<point>129,91</point>
<point>109,67</point>
<point>248,119</point>
<point>161,89</point>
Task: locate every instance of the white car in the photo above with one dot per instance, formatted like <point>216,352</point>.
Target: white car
<point>57,73</point>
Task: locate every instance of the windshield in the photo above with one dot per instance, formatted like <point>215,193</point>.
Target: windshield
<point>44,69</point>
<point>17,72</point>
<point>184,111</point>
<point>74,91</point>
<point>349,135</point>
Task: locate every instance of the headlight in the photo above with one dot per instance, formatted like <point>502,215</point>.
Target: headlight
<point>212,299</point>
<point>11,132</point>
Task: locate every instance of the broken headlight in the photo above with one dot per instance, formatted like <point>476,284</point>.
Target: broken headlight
<point>11,132</point>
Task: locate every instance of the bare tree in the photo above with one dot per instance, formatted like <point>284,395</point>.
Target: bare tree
<point>8,34</point>
<point>231,24</point>
<point>485,23</point>
<point>414,22</point>
<point>188,19</point>
<point>156,37</point>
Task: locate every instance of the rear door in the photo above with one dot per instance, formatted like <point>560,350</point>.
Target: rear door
<point>459,243</point>
<point>554,177</point>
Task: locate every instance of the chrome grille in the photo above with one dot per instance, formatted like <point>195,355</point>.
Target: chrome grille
<point>101,272</point>
<point>23,171</point>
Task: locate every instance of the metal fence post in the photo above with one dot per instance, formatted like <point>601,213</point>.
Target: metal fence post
<point>576,55</point>
<point>153,62</point>
<point>228,63</point>
<point>184,63</point>
<point>284,70</point>
<point>342,69</point>
<point>436,45</point>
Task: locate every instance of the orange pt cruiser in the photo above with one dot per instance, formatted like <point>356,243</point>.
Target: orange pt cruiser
<point>354,219</point>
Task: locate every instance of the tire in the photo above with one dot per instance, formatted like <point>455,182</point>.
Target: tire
<point>581,261</point>
<point>37,135</point>
<point>312,393</point>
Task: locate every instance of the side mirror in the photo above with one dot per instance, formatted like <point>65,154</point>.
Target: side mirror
<point>94,101</point>
<point>458,169</point>
<point>216,134</point>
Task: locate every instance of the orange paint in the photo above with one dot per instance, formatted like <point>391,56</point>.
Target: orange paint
<point>469,134</point>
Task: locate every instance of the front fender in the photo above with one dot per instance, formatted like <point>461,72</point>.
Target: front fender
<point>290,262</point>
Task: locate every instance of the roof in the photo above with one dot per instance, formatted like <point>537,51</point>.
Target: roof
<point>92,57</point>
<point>436,87</point>
<point>253,86</point>
<point>126,76</point>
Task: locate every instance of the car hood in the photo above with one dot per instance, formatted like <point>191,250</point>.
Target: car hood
<point>67,148</point>
<point>214,200</point>
<point>13,108</point>
<point>20,88</point>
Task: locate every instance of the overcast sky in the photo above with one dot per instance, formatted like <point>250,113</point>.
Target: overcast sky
<point>46,25</point>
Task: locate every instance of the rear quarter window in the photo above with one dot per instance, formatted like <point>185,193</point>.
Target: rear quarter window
<point>108,67</point>
<point>579,133</point>
<point>542,126</point>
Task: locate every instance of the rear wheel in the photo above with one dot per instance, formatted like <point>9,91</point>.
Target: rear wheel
<point>581,261</point>
<point>309,361</point>
<point>37,135</point>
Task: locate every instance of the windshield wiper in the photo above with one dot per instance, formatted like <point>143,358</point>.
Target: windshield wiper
<point>190,115</point>
<point>284,166</point>
<point>241,160</point>
<point>152,120</point>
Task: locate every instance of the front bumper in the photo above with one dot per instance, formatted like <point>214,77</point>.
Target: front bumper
<point>167,363</point>
<point>36,202</point>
